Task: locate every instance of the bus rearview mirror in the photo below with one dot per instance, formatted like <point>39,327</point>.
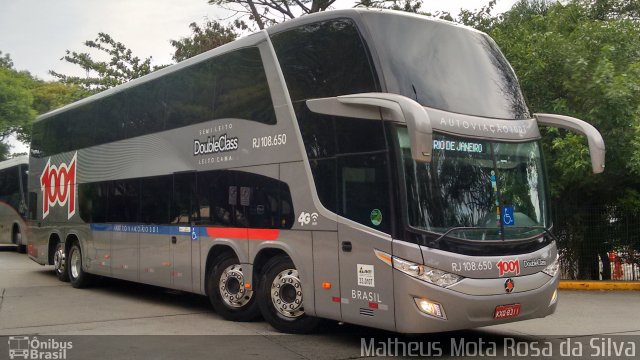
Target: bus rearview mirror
<point>393,107</point>
<point>594,138</point>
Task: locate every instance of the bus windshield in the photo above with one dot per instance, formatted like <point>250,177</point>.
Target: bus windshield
<point>449,68</point>
<point>476,189</point>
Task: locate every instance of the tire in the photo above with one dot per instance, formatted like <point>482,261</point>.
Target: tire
<point>77,276</point>
<point>59,263</point>
<point>280,288</point>
<point>227,294</point>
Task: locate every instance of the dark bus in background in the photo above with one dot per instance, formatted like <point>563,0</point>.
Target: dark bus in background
<point>13,201</point>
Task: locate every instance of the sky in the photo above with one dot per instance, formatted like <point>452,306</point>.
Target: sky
<point>36,33</point>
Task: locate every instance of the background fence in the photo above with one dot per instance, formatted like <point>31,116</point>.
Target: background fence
<point>598,243</point>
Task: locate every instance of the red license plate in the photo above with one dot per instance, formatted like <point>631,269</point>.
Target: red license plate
<point>507,311</point>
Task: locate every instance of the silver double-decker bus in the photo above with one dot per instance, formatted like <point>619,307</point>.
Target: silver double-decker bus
<point>371,167</point>
<point>13,202</point>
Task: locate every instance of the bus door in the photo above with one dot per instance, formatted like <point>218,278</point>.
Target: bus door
<point>184,237</point>
<point>366,283</point>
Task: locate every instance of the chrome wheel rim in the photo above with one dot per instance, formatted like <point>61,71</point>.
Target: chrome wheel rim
<point>59,260</point>
<point>76,263</point>
<point>286,294</point>
<point>231,287</point>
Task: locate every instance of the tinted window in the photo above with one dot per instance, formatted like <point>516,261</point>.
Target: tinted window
<point>93,198</point>
<point>324,175</point>
<point>359,135</point>
<point>221,198</point>
<point>232,85</point>
<point>155,199</point>
<point>184,188</point>
<point>10,188</point>
<point>146,109</point>
<point>241,89</point>
<point>260,202</point>
<point>124,201</point>
<point>232,198</point>
<point>190,95</point>
<point>348,160</point>
<point>9,184</point>
<point>318,132</point>
<point>213,198</point>
<point>363,184</point>
<point>324,59</point>
<point>446,67</point>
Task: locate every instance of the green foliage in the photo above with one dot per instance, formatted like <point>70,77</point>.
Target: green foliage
<point>211,35</point>
<point>120,67</point>
<point>582,59</point>
<point>22,97</point>
<point>16,99</point>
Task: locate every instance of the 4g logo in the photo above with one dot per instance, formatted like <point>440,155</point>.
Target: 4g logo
<point>509,266</point>
<point>58,185</point>
<point>306,218</point>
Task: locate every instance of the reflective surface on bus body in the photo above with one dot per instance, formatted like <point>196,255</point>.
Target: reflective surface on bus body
<point>497,187</point>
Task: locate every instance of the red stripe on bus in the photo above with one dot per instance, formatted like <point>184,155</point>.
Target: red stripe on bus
<point>243,233</point>
<point>263,234</point>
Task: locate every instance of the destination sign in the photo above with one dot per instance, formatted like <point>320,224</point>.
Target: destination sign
<point>458,146</point>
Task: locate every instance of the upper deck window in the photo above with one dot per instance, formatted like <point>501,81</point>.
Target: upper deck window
<point>324,59</point>
<point>232,85</point>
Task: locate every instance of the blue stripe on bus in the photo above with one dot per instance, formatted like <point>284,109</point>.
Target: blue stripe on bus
<point>145,229</point>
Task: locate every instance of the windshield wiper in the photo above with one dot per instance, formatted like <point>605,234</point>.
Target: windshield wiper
<point>470,228</point>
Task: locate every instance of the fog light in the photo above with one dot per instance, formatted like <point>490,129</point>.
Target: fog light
<point>430,308</point>
<point>554,298</point>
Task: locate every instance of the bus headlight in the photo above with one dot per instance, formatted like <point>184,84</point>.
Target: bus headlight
<point>425,273</point>
<point>552,269</point>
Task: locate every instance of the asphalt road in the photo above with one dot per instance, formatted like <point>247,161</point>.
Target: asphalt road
<point>137,317</point>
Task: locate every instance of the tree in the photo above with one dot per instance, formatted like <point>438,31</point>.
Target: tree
<point>211,35</point>
<point>16,101</point>
<point>121,67</point>
<point>582,59</point>
<point>268,12</point>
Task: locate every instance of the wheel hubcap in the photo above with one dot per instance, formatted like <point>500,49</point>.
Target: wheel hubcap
<point>76,263</point>
<point>59,260</point>
<point>231,286</point>
<point>286,294</point>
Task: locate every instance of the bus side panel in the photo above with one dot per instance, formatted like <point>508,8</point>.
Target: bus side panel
<point>326,274</point>
<point>155,259</point>
<point>124,255</point>
<point>38,244</point>
<point>98,251</point>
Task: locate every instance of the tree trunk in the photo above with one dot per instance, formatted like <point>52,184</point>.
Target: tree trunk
<point>256,15</point>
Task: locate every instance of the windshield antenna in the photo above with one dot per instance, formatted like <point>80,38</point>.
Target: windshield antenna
<point>414,91</point>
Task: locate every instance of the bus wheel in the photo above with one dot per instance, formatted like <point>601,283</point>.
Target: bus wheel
<point>77,276</point>
<point>281,299</point>
<point>59,263</point>
<point>227,292</point>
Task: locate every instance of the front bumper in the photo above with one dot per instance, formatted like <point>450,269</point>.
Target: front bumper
<point>464,311</point>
